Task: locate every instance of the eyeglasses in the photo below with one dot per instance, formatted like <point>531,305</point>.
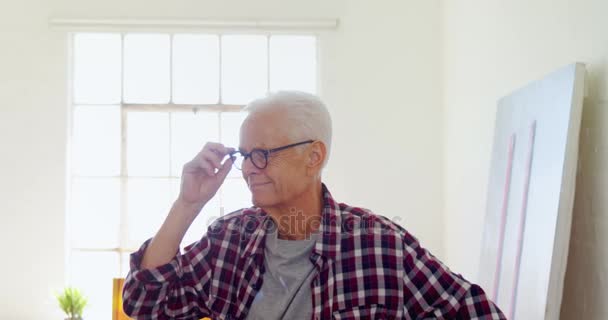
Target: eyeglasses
<point>259,157</point>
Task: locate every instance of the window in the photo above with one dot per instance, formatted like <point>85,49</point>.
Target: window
<point>143,104</point>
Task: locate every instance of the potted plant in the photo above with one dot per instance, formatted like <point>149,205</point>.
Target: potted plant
<point>72,302</point>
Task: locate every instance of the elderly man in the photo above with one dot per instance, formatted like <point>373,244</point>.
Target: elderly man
<point>297,253</point>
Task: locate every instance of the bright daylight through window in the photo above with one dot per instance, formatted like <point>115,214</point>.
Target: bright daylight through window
<point>143,104</point>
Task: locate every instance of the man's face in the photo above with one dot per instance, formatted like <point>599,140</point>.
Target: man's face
<point>284,178</point>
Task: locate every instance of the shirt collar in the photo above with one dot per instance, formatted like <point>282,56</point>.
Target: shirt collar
<point>328,242</point>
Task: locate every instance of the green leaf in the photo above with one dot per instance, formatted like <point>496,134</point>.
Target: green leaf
<point>72,302</point>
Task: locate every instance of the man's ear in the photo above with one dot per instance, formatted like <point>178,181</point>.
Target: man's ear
<point>316,156</point>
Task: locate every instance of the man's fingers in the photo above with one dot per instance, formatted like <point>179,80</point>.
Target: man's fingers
<point>209,159</point>
<point>213,158</point>
<point>212,163</point>
<point>199,164</point>
<point>225,169</point>
<point>215,152</point>
<point>218,148</point>
<point>208,166</point>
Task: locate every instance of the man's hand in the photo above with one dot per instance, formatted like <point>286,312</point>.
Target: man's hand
<point>201,178</point>
<point>203,175</point>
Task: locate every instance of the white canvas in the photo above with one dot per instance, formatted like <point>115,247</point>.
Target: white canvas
<point>531,193</point>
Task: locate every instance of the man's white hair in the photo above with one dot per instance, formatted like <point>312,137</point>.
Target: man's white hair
<point>308,117</point>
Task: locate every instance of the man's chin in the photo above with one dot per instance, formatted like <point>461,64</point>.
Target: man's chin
<point>261,201</point>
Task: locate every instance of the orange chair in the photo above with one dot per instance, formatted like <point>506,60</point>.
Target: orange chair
<point>117,312</point>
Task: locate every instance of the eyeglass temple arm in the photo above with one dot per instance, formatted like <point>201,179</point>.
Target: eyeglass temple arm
<point>289,146</point>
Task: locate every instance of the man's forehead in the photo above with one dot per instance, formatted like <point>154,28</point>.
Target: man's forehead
<point>262,131</point>
<point>251,143</point>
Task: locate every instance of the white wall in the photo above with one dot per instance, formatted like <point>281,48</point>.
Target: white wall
<point>381,78</point>
<point>491,48</point>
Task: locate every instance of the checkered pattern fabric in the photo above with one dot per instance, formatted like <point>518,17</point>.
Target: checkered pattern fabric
<point>368,267</point>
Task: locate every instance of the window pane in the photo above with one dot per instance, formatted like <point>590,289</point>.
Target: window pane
<point>293,63</point>
<point>125,264</point>
<point>148,144</point>
<point>231,124</point>
<point>95,213</point>
<point>235,195</point>
<point>147,65</point>
<point>149,203</point>
<point>97,58</point>
<point>196,67</point>
<point>244,68</point>
<point>175,186</point>
<point>189,133</point>
<point>210,212</point>
<point>92,272</point>
<point>96,140</point>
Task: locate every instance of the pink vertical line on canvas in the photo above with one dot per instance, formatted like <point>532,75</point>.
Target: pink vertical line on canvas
<point>522,226</point>
<point>503,217</point>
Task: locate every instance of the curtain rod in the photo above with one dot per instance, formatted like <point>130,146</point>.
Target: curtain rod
<point>317,24</point>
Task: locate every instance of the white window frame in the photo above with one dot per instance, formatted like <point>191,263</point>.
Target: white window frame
<point>170,107</point>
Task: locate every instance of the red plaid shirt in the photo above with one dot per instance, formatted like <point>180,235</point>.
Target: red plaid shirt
<point>367,266</point>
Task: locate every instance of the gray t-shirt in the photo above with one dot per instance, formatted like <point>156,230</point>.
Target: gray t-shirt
<point>285,292</point>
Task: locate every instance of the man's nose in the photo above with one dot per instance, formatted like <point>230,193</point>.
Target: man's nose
<point>248,168</point>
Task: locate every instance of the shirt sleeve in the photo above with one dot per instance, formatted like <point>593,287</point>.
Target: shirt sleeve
<point>434,292</point>
<point>176,290</point>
